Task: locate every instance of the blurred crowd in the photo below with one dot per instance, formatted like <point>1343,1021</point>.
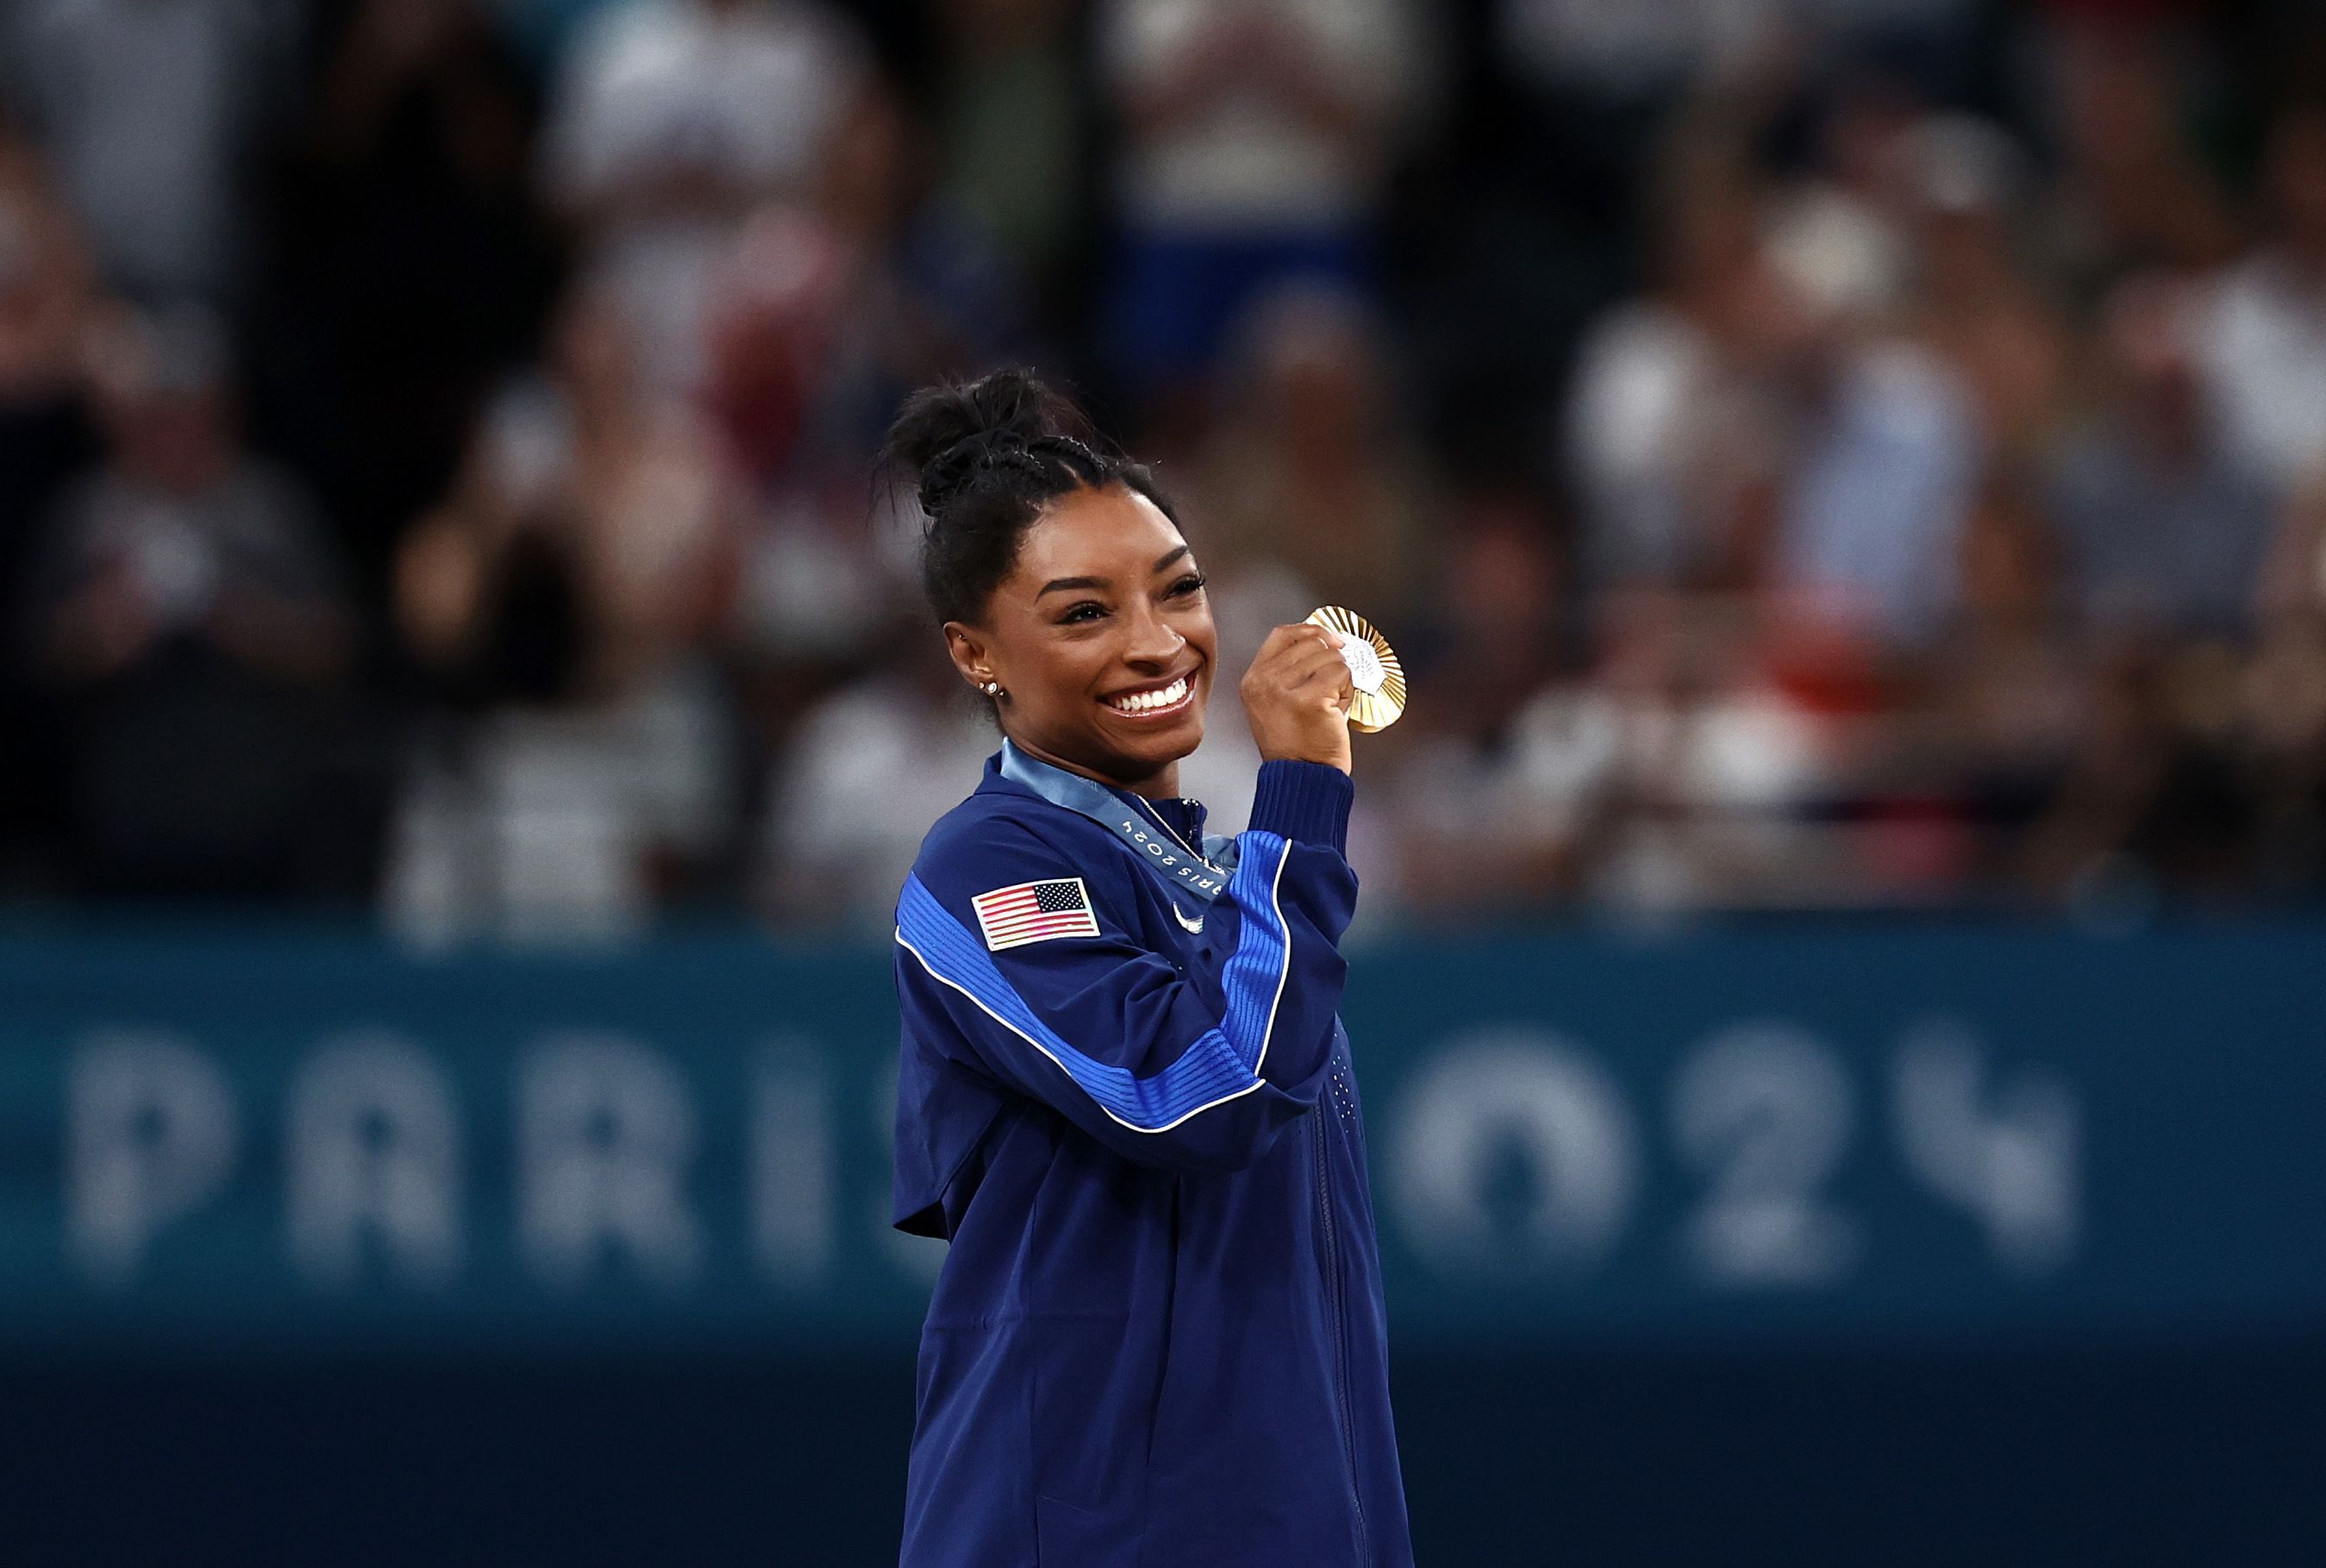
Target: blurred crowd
<point>1811,453</point>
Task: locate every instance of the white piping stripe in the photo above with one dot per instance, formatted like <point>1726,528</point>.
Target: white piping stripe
<point>1062,1067</point>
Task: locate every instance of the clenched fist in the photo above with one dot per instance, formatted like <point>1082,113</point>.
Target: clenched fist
<point>1296,697</point>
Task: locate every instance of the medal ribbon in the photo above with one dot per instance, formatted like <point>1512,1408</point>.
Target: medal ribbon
<point>1157,848</point>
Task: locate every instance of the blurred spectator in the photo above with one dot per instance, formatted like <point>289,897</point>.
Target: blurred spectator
<point>1948,489</point>
<point>186,604</point>
<point>2160,803</point>
<point>2263,339</point>
<point>869,767</point>
<point>808,335</point>
<point>45,300</point>
<point>1669,420</point>
<point>928,293</point>
<point>1613,54</point>
<point>821,319</point>
<point>1738,726</point>
<point>780,300</point>
<point>674,118</point>
<point>821,315</point>
<point>152,114</point>
<point>410,269</point>
<point>1885,450</point>
<point>817,582</point>
<point>2166,531</point>
<point>1838,226</point>
<point>697,107</point>
<point>569,592</point>
<point>1486,816</point>
<point>2131,194</point>
<point>1888,456</point>
<point>1672,771</point>
<point>1257,140</point>
<point>1308,478</point>
<point>1994,732</point>
<point>46,436</point>
<point>582,475</point>
<point>1975,303</point>
<point>1592,90</point>
<point>1011,124</point>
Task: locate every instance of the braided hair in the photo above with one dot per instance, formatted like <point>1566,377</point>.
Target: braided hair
<point>989,456</point>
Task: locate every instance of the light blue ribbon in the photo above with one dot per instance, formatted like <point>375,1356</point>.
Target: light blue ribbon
<point>1160,850</point>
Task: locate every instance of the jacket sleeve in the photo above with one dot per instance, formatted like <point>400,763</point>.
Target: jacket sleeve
<point>1158,1067</point>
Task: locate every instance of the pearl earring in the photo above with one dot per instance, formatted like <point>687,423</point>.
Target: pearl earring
<point>991,688</point>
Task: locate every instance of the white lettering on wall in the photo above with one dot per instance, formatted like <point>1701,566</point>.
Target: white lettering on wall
<point>151,1137</point>
<point>1765,1112</point>
<point>371,1154</point>
<point>2010,1156</point>
<point>605,1133</point>
<point>1513,1151</point>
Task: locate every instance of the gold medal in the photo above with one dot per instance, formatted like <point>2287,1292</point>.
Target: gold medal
<point>1373,669</point>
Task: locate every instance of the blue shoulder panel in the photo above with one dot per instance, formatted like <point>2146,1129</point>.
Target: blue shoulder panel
<point>1221,1065</point>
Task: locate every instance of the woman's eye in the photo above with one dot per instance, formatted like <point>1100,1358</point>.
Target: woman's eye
<point>1191,583</point>
<point>1085,611</point>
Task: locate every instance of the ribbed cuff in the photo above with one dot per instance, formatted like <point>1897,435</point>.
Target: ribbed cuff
<point>1307,802</point>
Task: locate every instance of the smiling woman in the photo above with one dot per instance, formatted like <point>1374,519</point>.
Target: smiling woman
<point>1124,1094</point>
<point>1069,596</point>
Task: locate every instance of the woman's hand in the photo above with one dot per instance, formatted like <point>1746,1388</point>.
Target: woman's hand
<point>1296,697</point>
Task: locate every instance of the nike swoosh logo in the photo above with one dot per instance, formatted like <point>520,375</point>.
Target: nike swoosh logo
<point>1192,926</point>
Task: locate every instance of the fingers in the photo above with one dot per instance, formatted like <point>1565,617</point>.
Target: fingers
<point>1329,672</point>
<point>1299,646</point>
<point>1322,658</point>
<point>1297,635</point>
<point>1297,694</point>
<point>1303,660</point>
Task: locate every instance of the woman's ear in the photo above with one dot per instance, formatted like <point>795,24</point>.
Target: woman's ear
<point>971,654</point>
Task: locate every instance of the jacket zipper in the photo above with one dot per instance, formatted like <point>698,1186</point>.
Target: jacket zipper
<point>1339,1315</point>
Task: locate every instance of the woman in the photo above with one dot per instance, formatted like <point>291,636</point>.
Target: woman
<point>1124,1096</point>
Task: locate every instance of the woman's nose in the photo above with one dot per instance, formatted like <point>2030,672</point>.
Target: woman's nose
<point>1153,641</point>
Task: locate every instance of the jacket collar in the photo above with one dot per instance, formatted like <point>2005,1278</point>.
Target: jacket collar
<point>1166,836</point>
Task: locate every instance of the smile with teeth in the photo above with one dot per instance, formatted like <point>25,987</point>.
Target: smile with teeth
<point>1154,702</point>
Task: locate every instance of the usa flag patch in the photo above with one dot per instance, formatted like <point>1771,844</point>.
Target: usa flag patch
<point>1034,912</point>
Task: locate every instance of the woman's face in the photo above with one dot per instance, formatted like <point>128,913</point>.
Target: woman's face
<point>1102,638</point>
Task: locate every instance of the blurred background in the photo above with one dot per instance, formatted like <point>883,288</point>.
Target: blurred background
<point>1843,917</point>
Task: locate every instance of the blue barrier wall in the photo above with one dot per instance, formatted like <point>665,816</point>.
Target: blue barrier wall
<point>1891,1135</point>
<point>1676,1198</point>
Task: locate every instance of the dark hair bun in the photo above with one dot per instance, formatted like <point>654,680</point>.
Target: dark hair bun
<point>944,434</point>
<point>986,458</point>
<point>1006,403</point>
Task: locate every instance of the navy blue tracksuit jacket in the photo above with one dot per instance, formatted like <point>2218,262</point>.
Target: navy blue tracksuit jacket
<point>1126,1098</point>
